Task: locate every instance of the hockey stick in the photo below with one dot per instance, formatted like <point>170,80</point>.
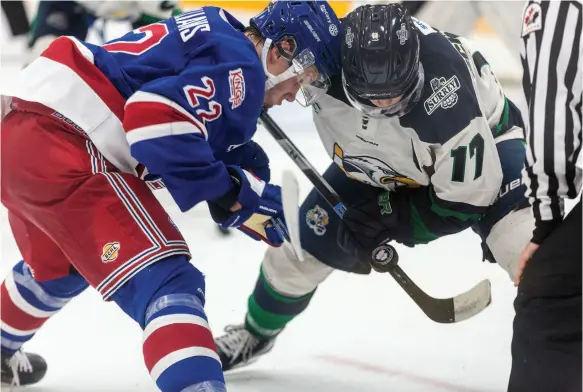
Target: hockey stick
<point>385,258</point>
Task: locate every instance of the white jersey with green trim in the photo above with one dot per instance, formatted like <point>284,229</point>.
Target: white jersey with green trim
<point>448,140</point>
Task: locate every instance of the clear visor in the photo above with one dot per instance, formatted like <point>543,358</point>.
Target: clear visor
<point>397,109</point>
<point>312,83</point>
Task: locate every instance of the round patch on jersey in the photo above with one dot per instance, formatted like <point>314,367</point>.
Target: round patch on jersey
<point>317,219</point>
<point>532,20</point>
<point>110,252</point>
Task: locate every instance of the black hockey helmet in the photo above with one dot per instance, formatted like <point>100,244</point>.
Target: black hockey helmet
<point>380,58</point>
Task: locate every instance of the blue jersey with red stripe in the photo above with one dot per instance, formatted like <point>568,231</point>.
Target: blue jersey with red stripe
<point>171,96</point>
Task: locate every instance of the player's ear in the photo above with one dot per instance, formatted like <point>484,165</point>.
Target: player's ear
<point>287,45</point>
<point>274,53</point>
<point>274,60</point>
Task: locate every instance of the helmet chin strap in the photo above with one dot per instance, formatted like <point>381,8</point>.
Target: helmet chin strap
<point>272,80</point>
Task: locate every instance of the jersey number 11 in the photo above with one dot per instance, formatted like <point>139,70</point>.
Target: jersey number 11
<point>460,154</point>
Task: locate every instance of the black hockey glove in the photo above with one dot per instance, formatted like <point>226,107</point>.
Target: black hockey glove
<point>373,222</point>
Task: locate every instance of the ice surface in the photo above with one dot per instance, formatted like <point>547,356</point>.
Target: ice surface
<point>360,333</point>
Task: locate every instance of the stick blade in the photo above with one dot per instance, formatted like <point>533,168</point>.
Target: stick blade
<point>290,195</point>
<point>445,310</point>
<point>473,301</point>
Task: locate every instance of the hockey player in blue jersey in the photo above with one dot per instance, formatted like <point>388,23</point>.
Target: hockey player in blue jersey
<point>177,103</point>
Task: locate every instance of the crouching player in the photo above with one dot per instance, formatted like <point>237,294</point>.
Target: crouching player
<point>177,102</point>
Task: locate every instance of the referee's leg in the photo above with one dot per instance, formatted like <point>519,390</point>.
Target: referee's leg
<point>546,346</point>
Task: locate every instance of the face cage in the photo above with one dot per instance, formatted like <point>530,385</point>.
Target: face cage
<point>398,109</point>
<point>311,92</point>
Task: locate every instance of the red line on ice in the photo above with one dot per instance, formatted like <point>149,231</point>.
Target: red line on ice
<point>367,367</point>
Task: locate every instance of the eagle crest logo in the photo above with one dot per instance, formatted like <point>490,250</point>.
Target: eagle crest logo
<point>371,170</point>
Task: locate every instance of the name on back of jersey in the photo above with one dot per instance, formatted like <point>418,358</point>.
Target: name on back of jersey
<point>192,22</point>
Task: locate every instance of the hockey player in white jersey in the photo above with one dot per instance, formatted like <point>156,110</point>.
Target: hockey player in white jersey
<point>424,144</point>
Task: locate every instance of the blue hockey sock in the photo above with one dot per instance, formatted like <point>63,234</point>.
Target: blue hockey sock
<point>167,300</point>
<point>26,304</point>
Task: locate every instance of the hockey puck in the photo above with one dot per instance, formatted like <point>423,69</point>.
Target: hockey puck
<point>383,257</point>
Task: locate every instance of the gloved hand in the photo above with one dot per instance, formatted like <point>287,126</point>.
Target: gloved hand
<point>253,159</point>
<point>368,224</point>
<point>253,206</point>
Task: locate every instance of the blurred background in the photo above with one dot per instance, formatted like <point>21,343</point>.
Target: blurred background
<point>469,19</point>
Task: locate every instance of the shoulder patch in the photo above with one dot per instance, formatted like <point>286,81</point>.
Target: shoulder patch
<point>237,88</point>
<point>448,103</point>
<point>444,95</point>
<point>532,20</point>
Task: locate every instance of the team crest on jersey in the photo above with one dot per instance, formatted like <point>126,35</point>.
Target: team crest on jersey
<point>444,95</point>
<point>317,219</point>
<point>532,20</point>
<point>237,86</point>
<point>371,170</point>
<point>110,252</point>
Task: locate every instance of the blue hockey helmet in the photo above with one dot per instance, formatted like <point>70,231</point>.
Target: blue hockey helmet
<point>312,30</point>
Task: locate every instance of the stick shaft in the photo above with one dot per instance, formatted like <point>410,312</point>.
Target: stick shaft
<point>305,166</point>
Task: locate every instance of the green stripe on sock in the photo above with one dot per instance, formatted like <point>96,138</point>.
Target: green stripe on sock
<point>265,324</point>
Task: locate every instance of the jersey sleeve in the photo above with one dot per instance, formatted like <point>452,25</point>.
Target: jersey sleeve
<point>466,180</point>
<point>174,125</point>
